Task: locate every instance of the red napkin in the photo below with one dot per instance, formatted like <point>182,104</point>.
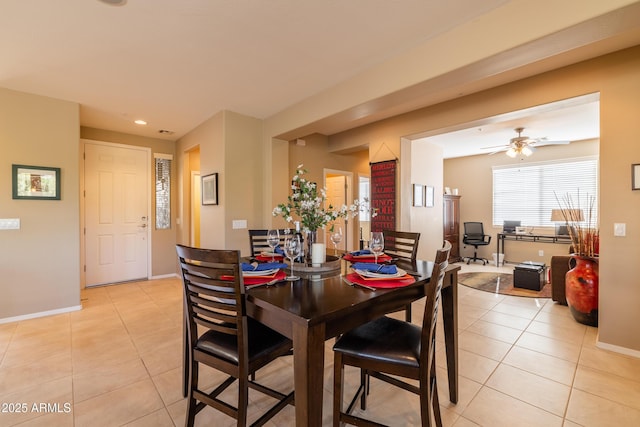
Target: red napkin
<point>261,280</point>
<point>276,257</point>
<point>405,280</point>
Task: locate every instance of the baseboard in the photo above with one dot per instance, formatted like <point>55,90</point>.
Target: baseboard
<point>618,349</point>
<point>40,314</point>
<point>164,276</point>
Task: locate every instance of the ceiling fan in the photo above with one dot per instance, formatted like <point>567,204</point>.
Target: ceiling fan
<point>522,145</point>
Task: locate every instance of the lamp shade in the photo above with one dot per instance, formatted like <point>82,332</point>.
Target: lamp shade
<point>569,215</point>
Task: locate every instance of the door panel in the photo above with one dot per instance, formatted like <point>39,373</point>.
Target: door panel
<point>336,197</point>
<point>116,213</point>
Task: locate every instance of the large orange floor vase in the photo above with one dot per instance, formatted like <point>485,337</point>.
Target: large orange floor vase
<point>581,284</point>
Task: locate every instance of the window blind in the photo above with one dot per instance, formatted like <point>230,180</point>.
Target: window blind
<point>529,192</point>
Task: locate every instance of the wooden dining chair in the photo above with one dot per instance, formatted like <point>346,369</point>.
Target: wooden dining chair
<point>220,335</point>
<point>258,241</point>
<point>402,245</point>
<point>388,346</point>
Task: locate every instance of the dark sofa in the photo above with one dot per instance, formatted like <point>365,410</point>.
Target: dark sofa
<point>560,264</point>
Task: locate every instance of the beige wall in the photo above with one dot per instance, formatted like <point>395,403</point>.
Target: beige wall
<point>426,169</point>
<point>316,157</point>
<point>615,77</point>
<point>472,176</point>
<point>39,263</point>
<point>229,144</point>
<point>163,257</point>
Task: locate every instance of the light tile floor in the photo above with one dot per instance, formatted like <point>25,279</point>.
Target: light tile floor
<point>523,362</point>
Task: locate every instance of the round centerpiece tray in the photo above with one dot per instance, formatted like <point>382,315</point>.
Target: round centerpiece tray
<point>332,263</point>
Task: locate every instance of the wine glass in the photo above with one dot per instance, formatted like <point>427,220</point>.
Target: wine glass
<point>292,248</point>
<point>377,244</point>
<point>336,237</point>
<point>273,239</point>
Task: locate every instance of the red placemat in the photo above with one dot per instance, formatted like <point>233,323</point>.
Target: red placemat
<point>265,258</point>
<point>261,280</point>
<point>366,258</point>
<point>405,280</point>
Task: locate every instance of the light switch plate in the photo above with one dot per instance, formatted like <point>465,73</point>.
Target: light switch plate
<point>620,229</point>
<point>9,223</point>
<point>239,224</point>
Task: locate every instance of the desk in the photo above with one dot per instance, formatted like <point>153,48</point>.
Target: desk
<point>541,238</point>
<point>318,307</point>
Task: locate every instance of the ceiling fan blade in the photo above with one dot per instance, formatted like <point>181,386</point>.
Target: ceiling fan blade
<point>543,143</point>
<point>498,151</point>
<point>495,146</point>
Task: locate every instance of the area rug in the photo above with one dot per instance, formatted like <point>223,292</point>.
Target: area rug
<point>500,283</point>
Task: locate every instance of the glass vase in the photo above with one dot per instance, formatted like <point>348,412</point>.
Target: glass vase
<point>581,284</point>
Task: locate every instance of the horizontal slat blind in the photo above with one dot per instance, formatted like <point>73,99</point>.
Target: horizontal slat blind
<point>528,192</point>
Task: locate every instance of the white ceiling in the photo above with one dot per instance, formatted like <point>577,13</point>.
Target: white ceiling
<point>175,63</point>
<point>568,120</point>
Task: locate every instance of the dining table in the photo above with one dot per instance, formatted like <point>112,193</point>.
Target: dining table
<point>322,305</point>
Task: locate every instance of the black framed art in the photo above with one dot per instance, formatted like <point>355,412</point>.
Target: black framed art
<point>35,182</point>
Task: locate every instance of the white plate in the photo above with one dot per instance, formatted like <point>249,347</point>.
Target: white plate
<point>373,274</point>
<point>269,272</point>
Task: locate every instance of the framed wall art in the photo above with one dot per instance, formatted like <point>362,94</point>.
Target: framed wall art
<point>210,189</point>
<point>35,182</point>
<point>635,176</point>
<point>429,196</point>
<point>418,195</point>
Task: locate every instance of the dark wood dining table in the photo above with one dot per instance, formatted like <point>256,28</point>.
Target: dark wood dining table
<point>321,306</point>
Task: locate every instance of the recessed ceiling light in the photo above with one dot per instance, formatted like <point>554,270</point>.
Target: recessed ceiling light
<point>140,122</point>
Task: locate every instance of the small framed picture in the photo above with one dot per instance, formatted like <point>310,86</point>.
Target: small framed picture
<point>429,196</point>
<point>36,182</point>
<point>447,190</point>
<point>635,176</point>
<point>210,189</point>
<point>418,195</point>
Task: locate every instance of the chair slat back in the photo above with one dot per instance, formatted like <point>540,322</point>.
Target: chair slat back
<point>258,241</point>
<point>213,290</point>
<point>432,292</point>
<point>401,244</point>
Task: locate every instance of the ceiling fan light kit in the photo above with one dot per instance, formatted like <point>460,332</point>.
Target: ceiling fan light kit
<point>523,145</point>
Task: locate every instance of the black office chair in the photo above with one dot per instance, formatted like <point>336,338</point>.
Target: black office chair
<point>474,236</point>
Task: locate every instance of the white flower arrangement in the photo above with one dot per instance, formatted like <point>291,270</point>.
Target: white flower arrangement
<point>307,202</point>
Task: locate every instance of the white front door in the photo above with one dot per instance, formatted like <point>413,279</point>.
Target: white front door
<point>116,213</point>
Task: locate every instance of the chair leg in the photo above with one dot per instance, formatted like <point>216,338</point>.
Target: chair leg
<point>338,378</point>
<point>191,405</point>
<point>407,313</point>
<point>243,401</point>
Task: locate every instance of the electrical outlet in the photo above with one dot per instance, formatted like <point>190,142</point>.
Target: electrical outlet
<point>540,252</point>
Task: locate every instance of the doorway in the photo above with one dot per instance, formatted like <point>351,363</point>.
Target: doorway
<point>116,213</point>
<point>339,185</point>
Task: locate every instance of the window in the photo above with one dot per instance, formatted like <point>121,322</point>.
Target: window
<point>529,192</point>
<point>163,191</point>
